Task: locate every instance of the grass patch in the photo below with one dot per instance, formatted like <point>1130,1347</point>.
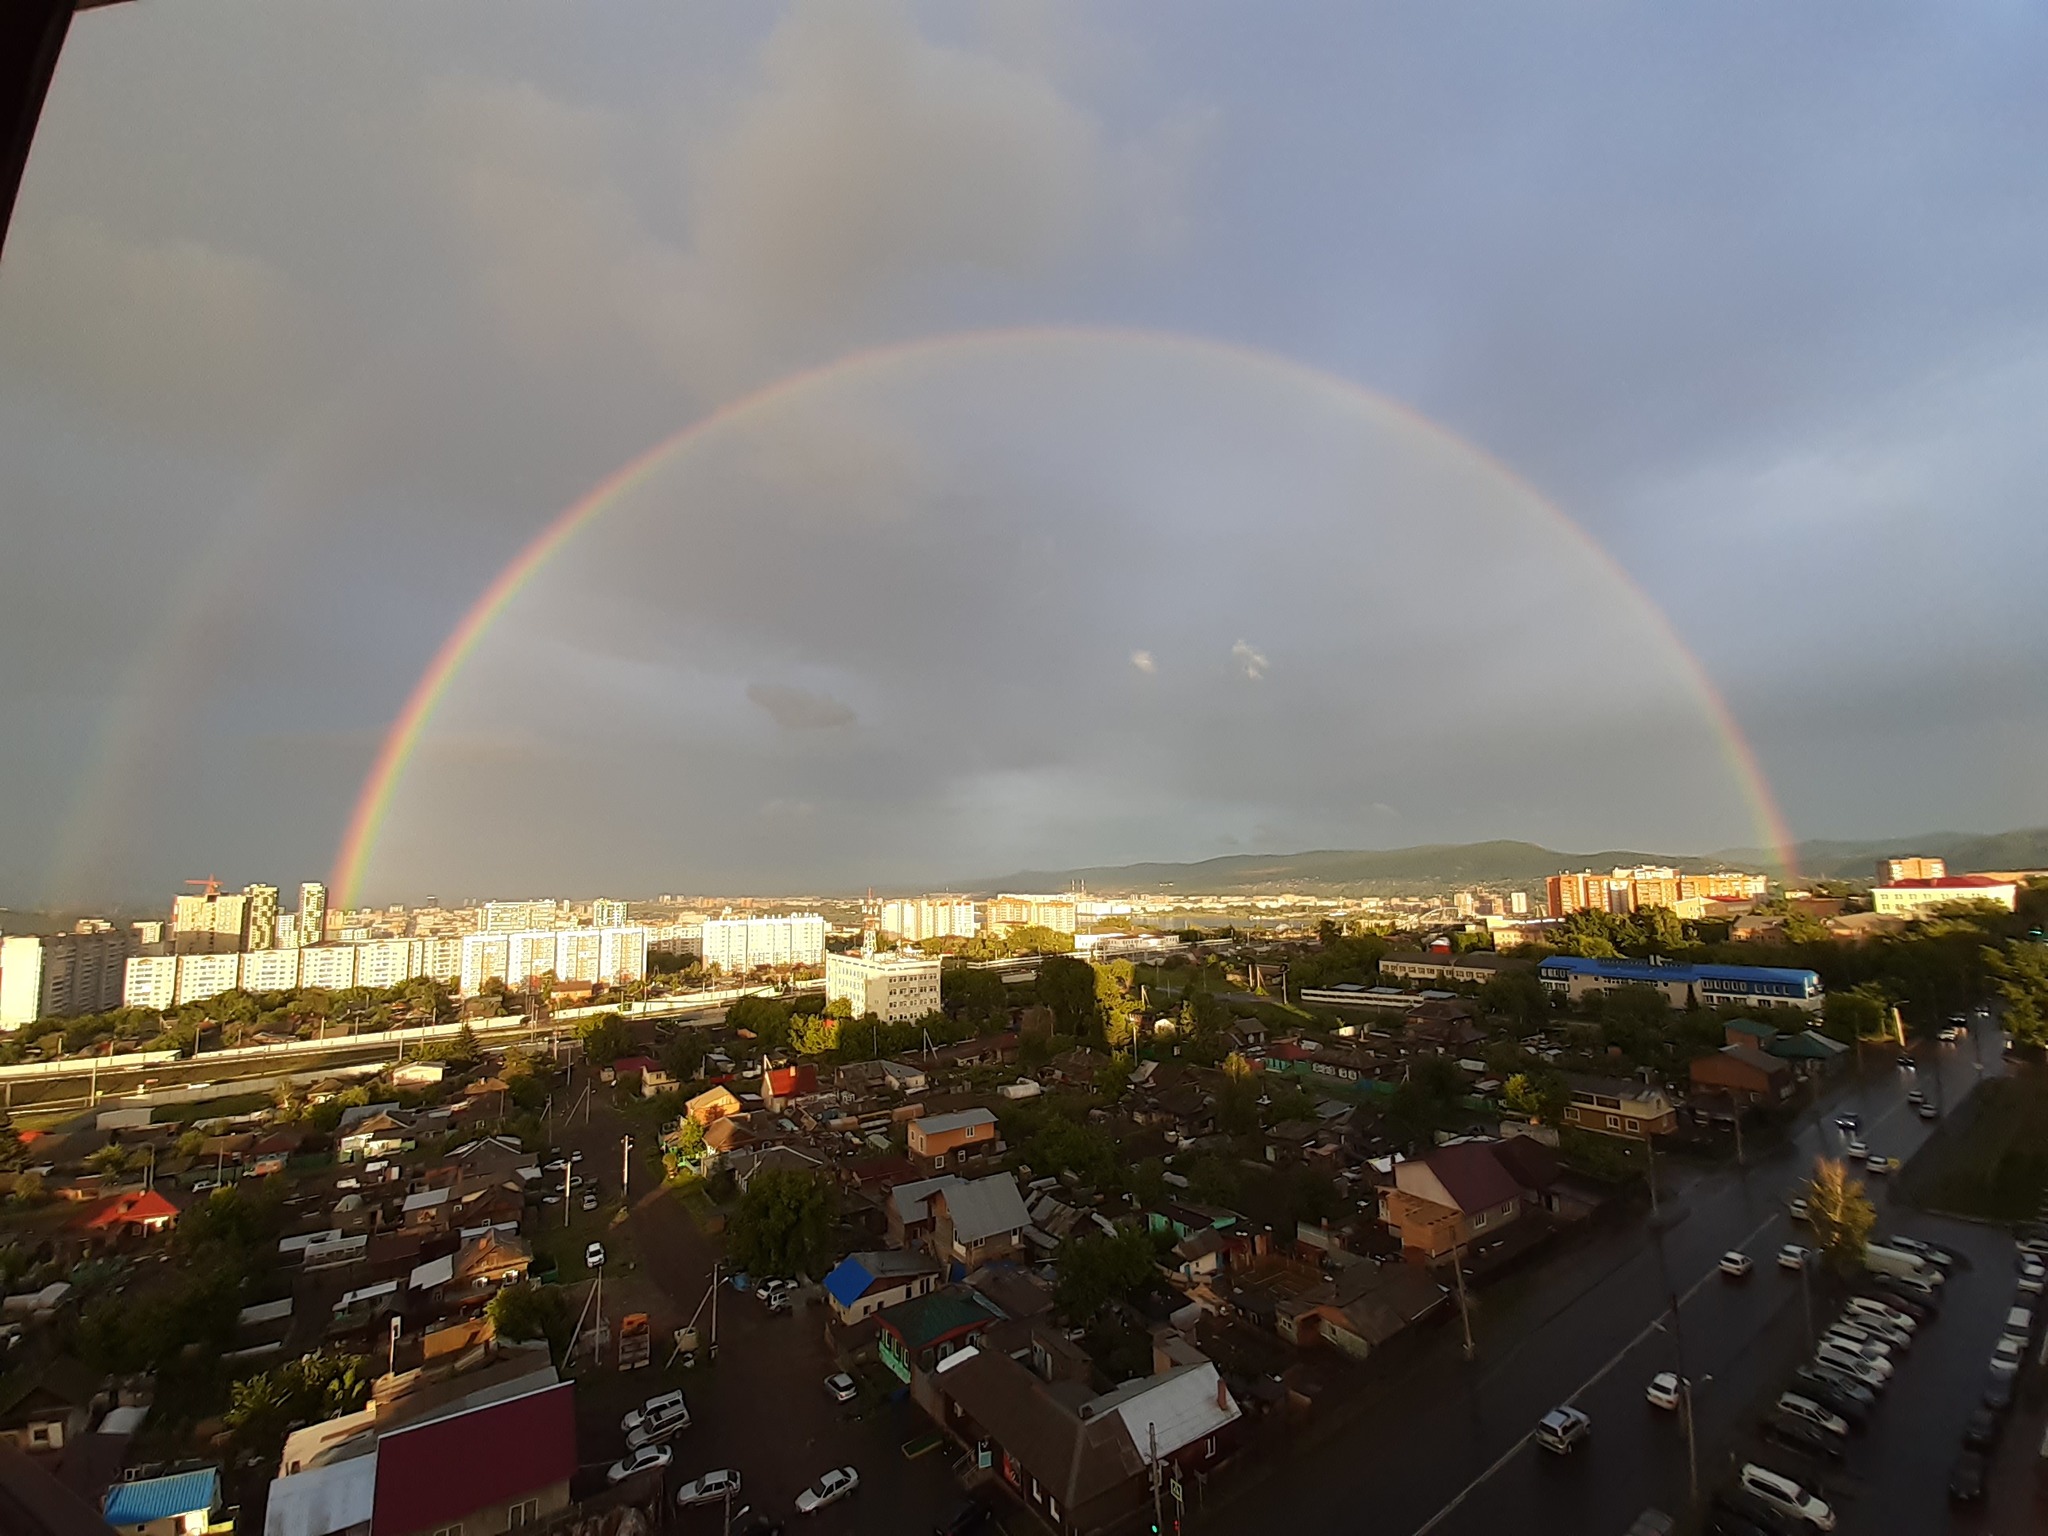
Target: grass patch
<point>1996,1165</point>
<point>709,1219</point>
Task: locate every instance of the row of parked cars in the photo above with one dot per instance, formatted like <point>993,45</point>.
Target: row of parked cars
<point>1831,1397</point>
<point>2008,1359</point>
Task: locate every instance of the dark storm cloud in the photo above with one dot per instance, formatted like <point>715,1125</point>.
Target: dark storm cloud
<point>1753,292</point>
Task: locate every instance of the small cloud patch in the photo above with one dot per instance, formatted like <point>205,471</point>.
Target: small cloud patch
<point>798,709</point>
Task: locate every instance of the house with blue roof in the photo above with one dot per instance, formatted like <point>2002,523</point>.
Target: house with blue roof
<point>863,1284</point>
<point>1685,986</point>
<point>180,1504</point>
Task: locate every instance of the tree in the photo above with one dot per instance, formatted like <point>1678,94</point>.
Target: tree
<point>974,994</point>
<point>1095,1271</point>
<point>1067,987</point>
<point>1114,1075</point>
<point>813,1036</point>
<point>1840,1214</point>
<point>2020,972</point>
<point>13,1154</point>
<point>464,1048</point>
<point>1516,996</point>
<point>1857,1014</point>
<point>1540,1095</point>
<point>527,1310</point>
<point>605,1039</point>
<point>783,1224</point>
<point>765,1018</point>
<point>263,1408</point>
<point>685,1148</point>
<point>683,1057</point>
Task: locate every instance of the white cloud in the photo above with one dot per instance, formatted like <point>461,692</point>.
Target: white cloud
<point>798,709</point>
<point>1143,661</point>
<point>1250,662</point>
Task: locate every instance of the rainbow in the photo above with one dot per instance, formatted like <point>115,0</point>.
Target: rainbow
<point>373,803</point>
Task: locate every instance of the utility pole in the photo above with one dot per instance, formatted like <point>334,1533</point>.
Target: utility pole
<point>568,1168</point>
<point>1739,1161</point>
<point>1464,1306</point>
<point>1152,1437</point>
<point>625,1166</point>
<point>1650,1148</point>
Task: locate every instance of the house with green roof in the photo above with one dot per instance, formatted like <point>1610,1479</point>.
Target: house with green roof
<point>915,1335</point>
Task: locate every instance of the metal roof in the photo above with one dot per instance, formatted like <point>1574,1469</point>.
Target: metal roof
<point>162,1498</point>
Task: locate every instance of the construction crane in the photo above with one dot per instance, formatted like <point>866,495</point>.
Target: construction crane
<point>210,885</point>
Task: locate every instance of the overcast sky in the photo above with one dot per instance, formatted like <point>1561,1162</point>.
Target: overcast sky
<point>312,316</point>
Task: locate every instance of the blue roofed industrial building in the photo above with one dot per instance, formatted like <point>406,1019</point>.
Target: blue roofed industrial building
<point>1685,985</point>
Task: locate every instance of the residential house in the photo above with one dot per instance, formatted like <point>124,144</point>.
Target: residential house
<point>39,1504</point>
<point>1247,1037</point>
<point>181,1504</point>
<point>749,1162</point>
<point>1810,1052</point>
<point>1083,1463</point>
<point>488,1262</point>
<point>904,1077</point>
<point>1328,1064</point>
<point>138,1213</point>
<point>960,1140</point>
<point>1740,1077</point>
<point>964,1222</point>
<point>1442,1025</point>
<point>915,1335</point>
<point>714,1103</point>
<point>862,1284</point>
<point>1749,1032</point>
<point>1076,1068</point>
<point>779,1085</point>
<point>987,1050</point>
<point>385,1133</point>
<point>1359,1307</point>
<point>503,1466</point>
<point>1451,1197</point>
<point>46,1406</point>
<point>1619,1106</point>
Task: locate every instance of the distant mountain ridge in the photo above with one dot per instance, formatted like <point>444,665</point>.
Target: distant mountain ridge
<point>1508,862</point>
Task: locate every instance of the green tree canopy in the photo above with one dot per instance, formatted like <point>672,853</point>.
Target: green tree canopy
<point>1098,1270</point>
<point>527,1310</point>
<point>1840,1214</point>
<point>1067,987</point>
<point>2020,972</point>
<point>1538,1093</point>
<point>605,1038</point>
<point>783,1225</point>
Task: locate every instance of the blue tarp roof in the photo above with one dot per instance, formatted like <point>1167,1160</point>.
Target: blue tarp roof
<point>160,1498</point>
<point>848,1282</point>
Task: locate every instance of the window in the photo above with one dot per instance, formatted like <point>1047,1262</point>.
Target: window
<point>1635,1125</point>
<point>521,1515</point>
<point>939,1161</point>
<point>1613,1121</point>
<point>449,1530</point>
<point>1209,1447</point>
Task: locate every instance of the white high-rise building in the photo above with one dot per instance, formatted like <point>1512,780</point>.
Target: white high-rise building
<point>152,982</point>
<point>621,955</point>
<point>897,989</point>
<point>741,944</point>
<point>929,917</point>
<point>485,956</point>
<point>312,925</point>
<point>331,967</point>
<point>204,976</point>
<point>607,914</point>
<point>62,975</point>
<point>387,962</point>
<point>441,958</point>
<point>209,923</point>
<point>518,916</point>
<point>270,970</point>
<point>1014,911</point>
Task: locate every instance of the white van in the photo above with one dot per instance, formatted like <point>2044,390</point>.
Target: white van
<point>1778,1492</point>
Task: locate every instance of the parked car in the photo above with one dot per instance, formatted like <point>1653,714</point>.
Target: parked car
<point>1663,1391</point>
<point>663,1409</point>
<point>1735,1265</point>
<point>1798,1435</point>
<point>1848,1122</point>
<point>1915,1096</point>
<point>1883,1311</point>
<point>970,1519</point>
<point>1916,1304</point>
<point>1980,1433</point>
<point>646,1459</point>
<point>1776,1491</point>
<point>1998,1392</point>
<point>711,1488</point>
<point>1852,1365</point>
<point>593,1256</point>
<point>589,1200</point>
<point>1843,1394</point>
<point>1792,1256</point>
<point>1877,1163</point>
<point>1858,1147</point>
<point>1966,1478</point>
<point>2032,1278</point>
<point>1927,1112</point>
<point>1797,1210</point>
<point>1560,1430</point>
<point>1797,1405</point>
<point>841,1388</point>
<point>2008,1355</point>
<point>1927,1251</point>
<point>835,1485</point>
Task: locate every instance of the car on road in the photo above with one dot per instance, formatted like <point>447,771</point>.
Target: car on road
<point>1915,1096</point>
<point>647,1459</point>
<point>1843,1394</point>
<point>1848,1122</point>
<point>1785,1495</point>
<point>1951,1033</point>
<point>710,1488</point>
<point>1663,1390</point>
<point>1907,1062</point>
<point>835,1485</point>
<point>593,1256</point>
<point>1966,1478</point>
<point>1998,1392</point>
<point>1798,1435</point>
<point>1980,1433</point>
<point>1858,1147</point>
<point>1560,1430</point>
<point>1876,1163</point>
<point>841,1388</point>
<point>1797,1210</point>
<point>1796,1405</point>
<point>1735,1264</point>
<point>2009,1355</point>
<point>1927,1112</point>
<point>1792,1256</point>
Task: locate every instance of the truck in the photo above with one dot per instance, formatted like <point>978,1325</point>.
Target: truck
<point>1894,1261</point>
<point>636,1341</point>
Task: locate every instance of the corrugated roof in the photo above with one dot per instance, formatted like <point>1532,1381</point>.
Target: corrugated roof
<point>1180,1407</point>
<point>939,1125</point>
<point>162,1498</point>
<point>322,1500</point>
<point>430,1475</point>
<point>1473,1176</point>
<point>982,1208</point>
<point>926,1319</point>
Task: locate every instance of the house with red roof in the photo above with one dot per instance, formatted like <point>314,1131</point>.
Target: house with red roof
<point>1448,1198</point>
<point>501,1467</point>
<point>139,1212</point>
<point>781,1084</point>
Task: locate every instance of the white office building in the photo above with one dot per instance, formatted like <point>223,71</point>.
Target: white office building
<point>897,989</point>
<point>62,975</point>
<point>388,962</point>
<point>738,945</point>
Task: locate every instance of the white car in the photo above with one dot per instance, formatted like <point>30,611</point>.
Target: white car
<point>1735,1265</point>
<point>710,1488</point>
<point>593,1256</point>
<point>1858,1147</point>
<point>841,1387</point>
<point>2008,1356</point>
<point>1870,1306</point>
<point>1865,1343</point>
<point>667,1408</point>
<point>2032,1278</point>
<point>1796,1405</point>
<point>835,1485</point>
<point>1776,1491</point>
<point>1853,1362</point>
<point>589,1200</point>
<point>646,1459</point>
<point>1559,1430</point>
<point>1663,1391</point>
<point>1797,1210</point>
<point>1792,1256</point>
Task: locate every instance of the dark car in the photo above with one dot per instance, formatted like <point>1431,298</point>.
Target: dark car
<point>969,1519</point>
<point>1982,1430</point>
<point>763,1525</point>
<point>1737,1514</point>
<point>1918,1305</point>
<point>1731,1522</point>
<point>1831,1389</point>
<point>1908,1062</point>
<point>1966,1478</point>
<point>1998,1392</point>
<point>1798,1435</point>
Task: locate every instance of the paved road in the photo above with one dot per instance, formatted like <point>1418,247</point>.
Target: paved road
<point>1440,1447</point>
<point>762,1407</point>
